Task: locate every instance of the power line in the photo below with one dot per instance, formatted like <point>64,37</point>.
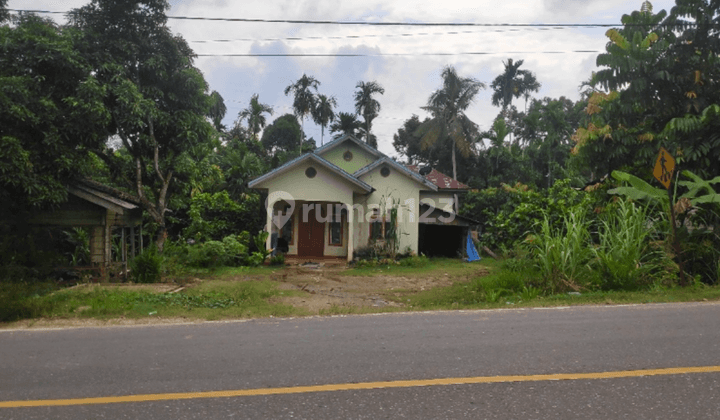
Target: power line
<point>362,23</point>
<point>395,54</point>
<point>368,36</point>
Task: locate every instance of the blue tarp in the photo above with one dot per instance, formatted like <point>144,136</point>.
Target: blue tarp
<point>471,250</point>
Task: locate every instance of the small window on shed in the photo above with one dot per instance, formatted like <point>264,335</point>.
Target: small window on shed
<point>385,172</point>
<point>310,172</point>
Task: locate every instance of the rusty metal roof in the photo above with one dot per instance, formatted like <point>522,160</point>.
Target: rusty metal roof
<point>442,181</point>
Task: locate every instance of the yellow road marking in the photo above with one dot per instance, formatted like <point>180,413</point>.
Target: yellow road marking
<point>359,386</point>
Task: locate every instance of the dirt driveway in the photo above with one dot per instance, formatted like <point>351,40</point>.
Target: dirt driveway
<point>326,287</point>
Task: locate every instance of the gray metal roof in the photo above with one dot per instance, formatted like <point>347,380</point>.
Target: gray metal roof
<point>400,168</point>
<point>331,145</point>
<point>101,198</point>
<point>318,159</point>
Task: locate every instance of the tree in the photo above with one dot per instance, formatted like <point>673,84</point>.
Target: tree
<point>448,120</point>
<point>303,98</point>
<point>157,100</point>
<point>367,106</point>
<point>253,114</point>
<point>657,76</point>
<point>51,113</point>
<point>347,123</point>
<point>217,110</point>
<point>407,144</point>
<point>4,14</point>
<point>513,83</point>
<point>282,135</point>
<point>323,113</point>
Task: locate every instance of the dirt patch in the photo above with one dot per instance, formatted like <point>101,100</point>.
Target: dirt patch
<point>325,288</point>
<point>154,288</point>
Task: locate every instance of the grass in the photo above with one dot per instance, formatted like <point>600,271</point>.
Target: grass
<point>506,284</point>
<point>504,288</point>
<point>214,299</point>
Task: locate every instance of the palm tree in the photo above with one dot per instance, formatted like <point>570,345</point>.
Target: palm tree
<point>367,106</point>
<point>323,113</point>
<point>346,123</point>
<point>447,107</point>
<point>513,83</point>
<point>254,115</point>
<point>304,99</point>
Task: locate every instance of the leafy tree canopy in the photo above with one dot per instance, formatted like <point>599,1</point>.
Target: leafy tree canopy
<point>51,112</point>
<point>157,99</point>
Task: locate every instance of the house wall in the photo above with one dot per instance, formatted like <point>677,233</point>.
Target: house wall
<point>325,188</point>
<point>360,159</point>
<point>402,190</point>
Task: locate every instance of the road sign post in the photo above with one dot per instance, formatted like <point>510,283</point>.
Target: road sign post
<point>663,172</point>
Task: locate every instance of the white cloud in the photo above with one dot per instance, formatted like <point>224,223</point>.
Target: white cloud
<point>408,80</point>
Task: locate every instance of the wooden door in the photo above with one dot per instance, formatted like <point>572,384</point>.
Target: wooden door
<point>311,237</point>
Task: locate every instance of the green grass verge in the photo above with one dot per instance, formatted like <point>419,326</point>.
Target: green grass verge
<point>504,288</point>
<point>215,299</point>
<point>480,285</point>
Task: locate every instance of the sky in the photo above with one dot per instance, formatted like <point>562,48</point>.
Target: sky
<point>551,53</point>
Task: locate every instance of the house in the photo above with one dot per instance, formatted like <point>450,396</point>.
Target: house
<point>101,209</point>
<point>347,195</point>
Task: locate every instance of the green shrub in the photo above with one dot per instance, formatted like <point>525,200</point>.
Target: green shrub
<point>146,267</point>
<point>236,249</point>
<point>278,259</point>
<point>231,251</point>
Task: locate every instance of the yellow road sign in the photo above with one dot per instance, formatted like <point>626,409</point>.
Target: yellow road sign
<point>664,167</point>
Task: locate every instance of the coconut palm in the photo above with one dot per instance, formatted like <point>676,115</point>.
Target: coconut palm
<point>347,123</point>
<point>323,113</point>
<point>253,114</point>
<point>304,98</point>
<point>513,83</point>
<point>367,106</point>
<point>447,109</point>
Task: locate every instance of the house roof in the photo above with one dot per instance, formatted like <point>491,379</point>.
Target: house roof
<point>442,181</point>
<point>424,206</point>
<point>347,137</point>
<point>104,196</point>
<point>400,168</point>
<point>317,159</point>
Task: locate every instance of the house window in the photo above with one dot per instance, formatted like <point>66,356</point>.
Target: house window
<point>336,228</point>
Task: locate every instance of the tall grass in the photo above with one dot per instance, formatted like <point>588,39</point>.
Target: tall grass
<point>562,254</point>
<point>624,255</point>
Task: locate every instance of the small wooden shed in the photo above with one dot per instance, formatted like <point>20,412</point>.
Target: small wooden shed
<point>102,209</point>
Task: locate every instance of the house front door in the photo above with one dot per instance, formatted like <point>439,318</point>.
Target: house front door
<point>311,237</point>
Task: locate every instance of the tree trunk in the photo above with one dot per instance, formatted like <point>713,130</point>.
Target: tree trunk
<point>302,133</point>
<point>160,237</point>
<point>454,163</point>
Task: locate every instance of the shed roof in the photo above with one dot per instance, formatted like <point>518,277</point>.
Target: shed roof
<point>442,181</point>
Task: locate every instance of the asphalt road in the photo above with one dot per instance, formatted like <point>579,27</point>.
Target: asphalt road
<point>269,354</point>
